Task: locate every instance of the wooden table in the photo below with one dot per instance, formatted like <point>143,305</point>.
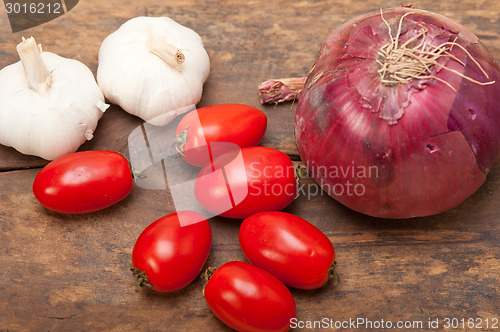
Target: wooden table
<point>70,273</point>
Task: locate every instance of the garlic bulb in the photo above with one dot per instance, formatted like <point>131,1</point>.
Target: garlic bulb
<point>154,68</point>
<point>50,105</point>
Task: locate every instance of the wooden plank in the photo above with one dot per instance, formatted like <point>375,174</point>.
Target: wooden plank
<point>73,271</point>
<point>64,273</point>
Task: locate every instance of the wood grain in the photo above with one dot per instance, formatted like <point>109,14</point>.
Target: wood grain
<point>63,273</point>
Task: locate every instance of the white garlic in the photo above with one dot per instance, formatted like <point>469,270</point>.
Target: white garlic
<point>153,68</point>
<point>50,105</point>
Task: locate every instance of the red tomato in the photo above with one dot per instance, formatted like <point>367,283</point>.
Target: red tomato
<point>289,247</point>
<point>83,182</point>
<point>170,253</point>
<point>241,125</point>
<point>247,298</point>
<point>241,183</point>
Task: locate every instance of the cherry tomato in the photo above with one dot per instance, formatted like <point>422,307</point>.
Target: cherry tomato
<point>247,298</point>
<point>170,253</point>
<point>83,182</point>
<point>240,183</point>
<point>239,124</point>
<point>289,247</point>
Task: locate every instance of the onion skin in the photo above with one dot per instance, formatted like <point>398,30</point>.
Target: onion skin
<point>412,149</point>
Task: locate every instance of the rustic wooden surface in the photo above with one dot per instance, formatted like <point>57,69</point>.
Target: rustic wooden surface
<point>64,273</point>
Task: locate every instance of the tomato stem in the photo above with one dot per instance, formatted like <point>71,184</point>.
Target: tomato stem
<point>137,173</point>
<point>332,274</point>
<point>142,278</point>
<point>301,173</point>
<point>180,141</point>
<point>297,174</point>
<point>208,273</point>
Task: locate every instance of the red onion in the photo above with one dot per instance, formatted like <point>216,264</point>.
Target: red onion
<point>399,116</point>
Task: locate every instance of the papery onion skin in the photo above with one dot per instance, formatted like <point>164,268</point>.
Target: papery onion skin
<point>405,150</point>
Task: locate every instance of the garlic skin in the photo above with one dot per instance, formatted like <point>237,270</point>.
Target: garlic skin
<point>50,105</point>
<point>154,68</point>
